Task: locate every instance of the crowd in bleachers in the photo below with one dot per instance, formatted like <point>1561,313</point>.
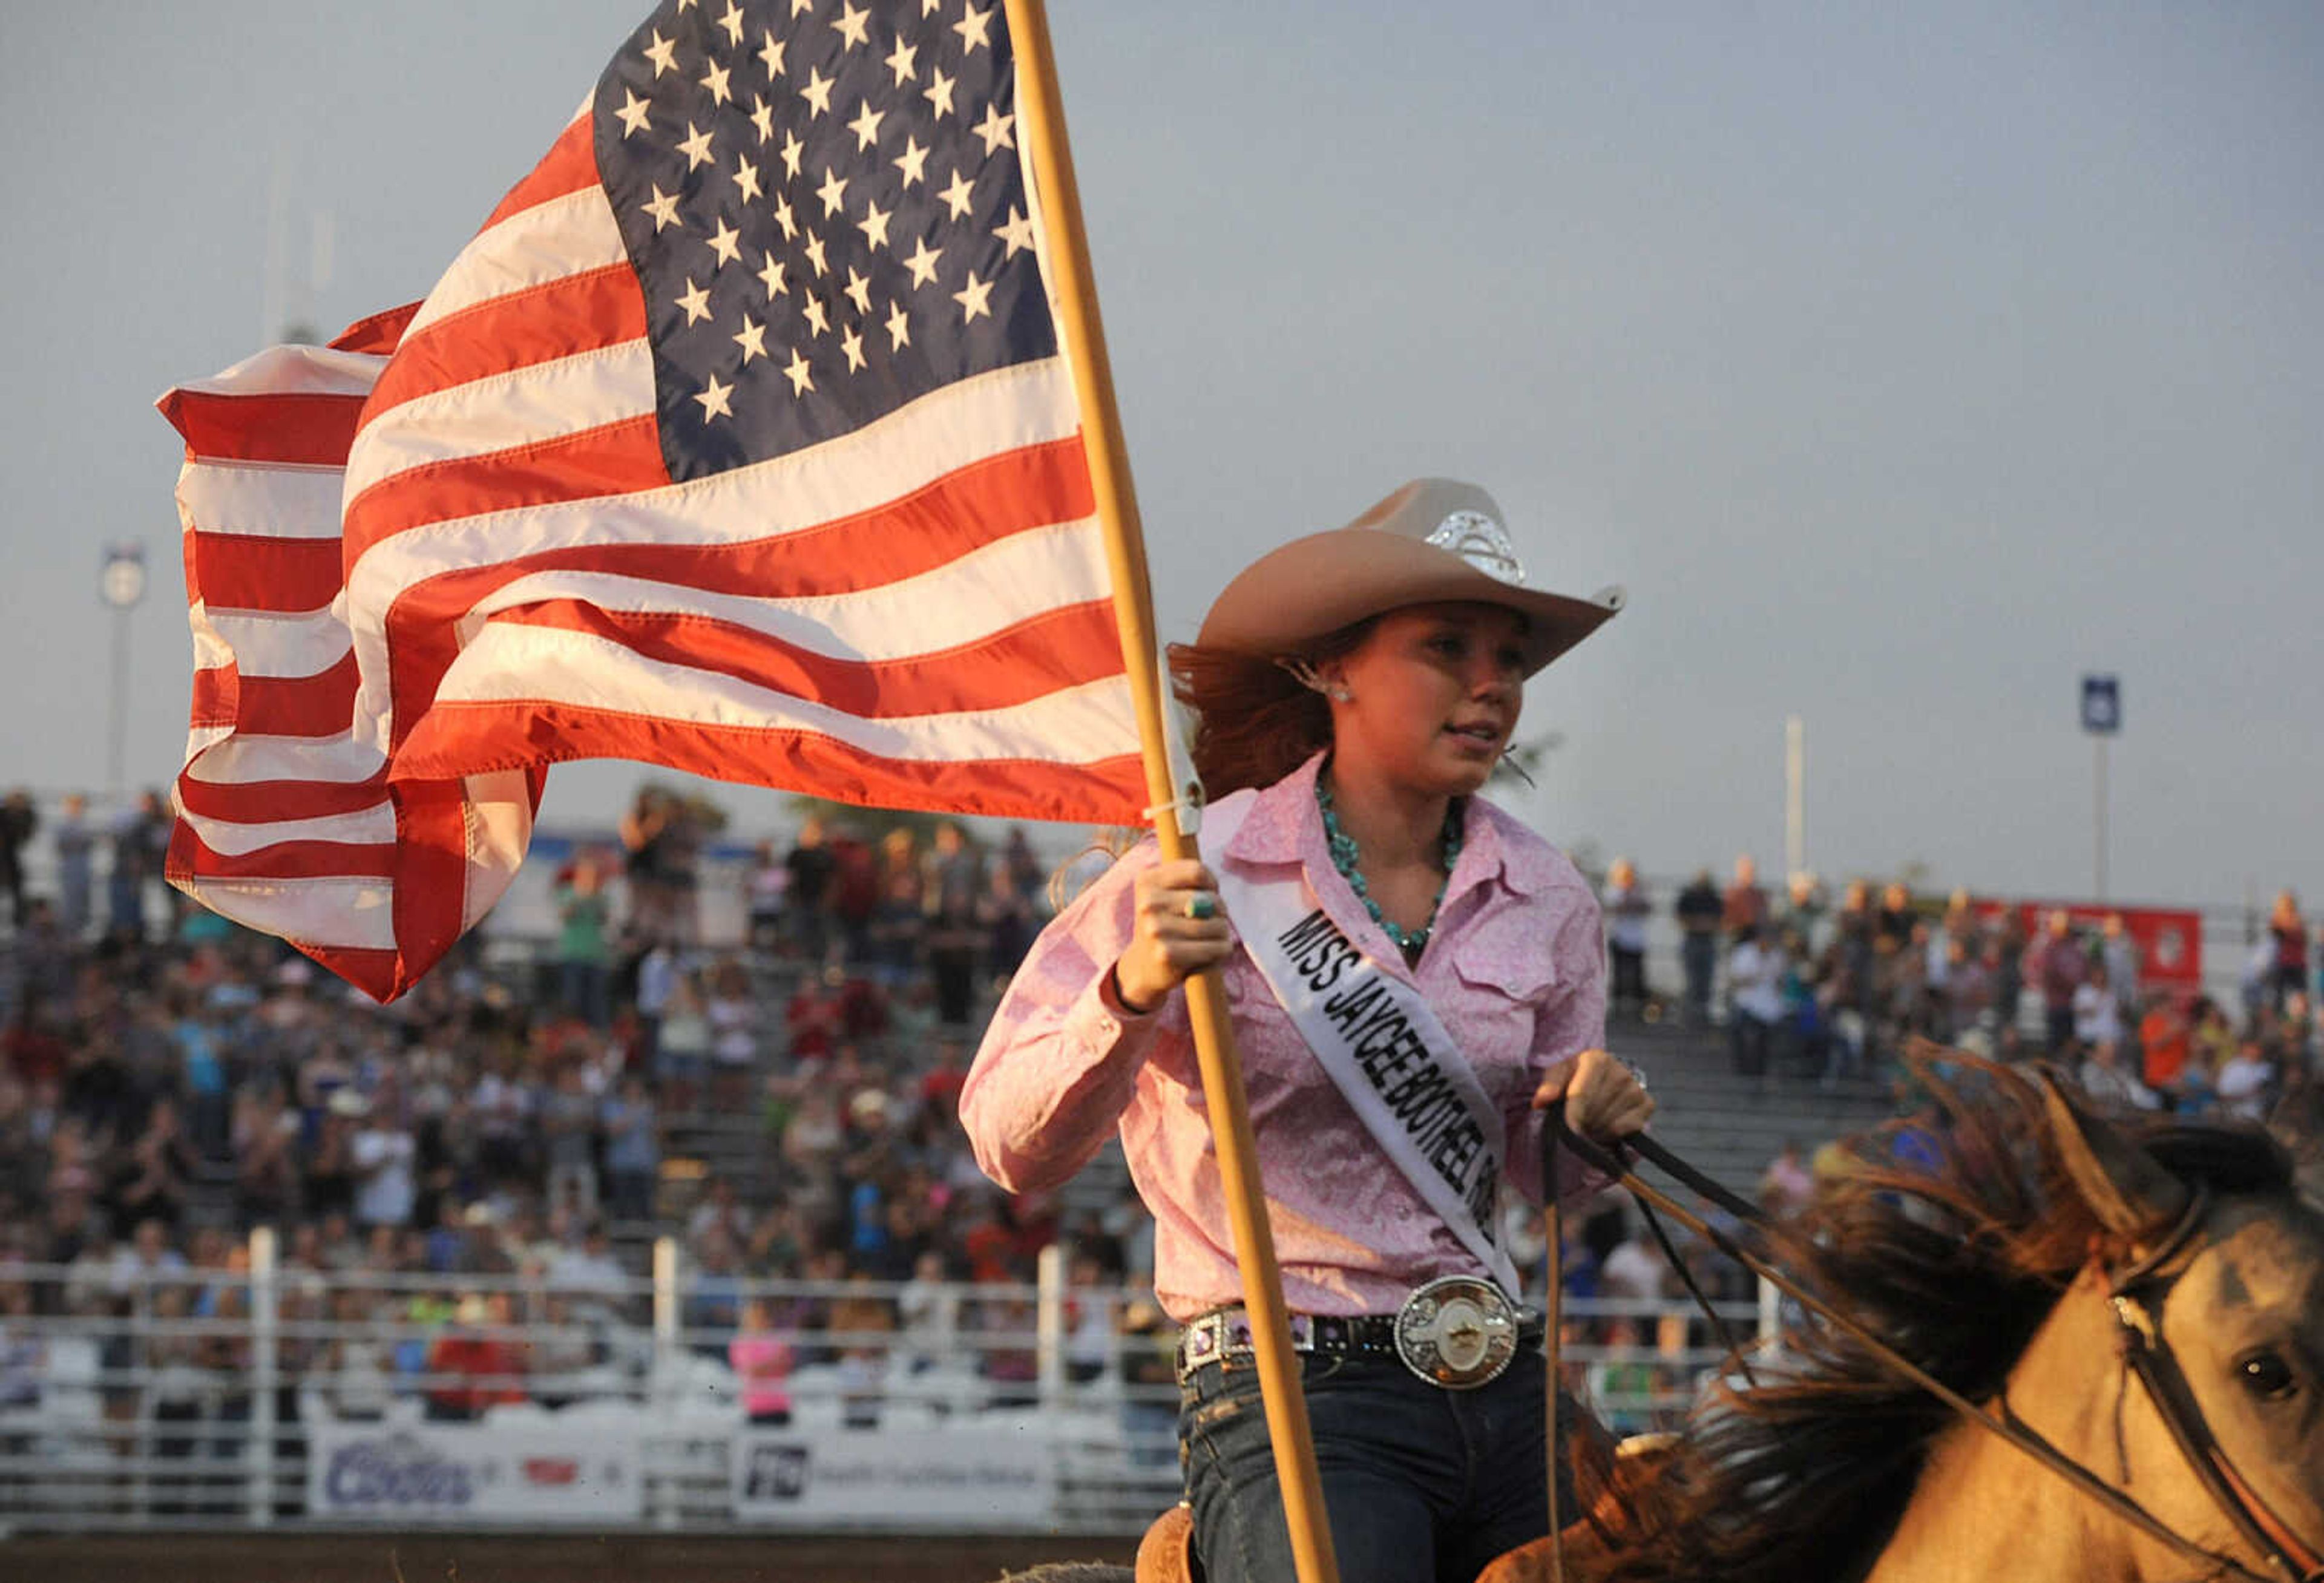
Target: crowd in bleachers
<point>167,1082</point>
<point>1831,991</point>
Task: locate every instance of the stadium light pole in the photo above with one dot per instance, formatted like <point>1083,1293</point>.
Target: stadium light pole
<point>121,585</point>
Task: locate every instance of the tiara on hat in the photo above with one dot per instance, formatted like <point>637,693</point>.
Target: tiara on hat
<point>1483,543</point>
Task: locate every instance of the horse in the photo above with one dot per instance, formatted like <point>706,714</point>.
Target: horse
<point>2065,1271</point>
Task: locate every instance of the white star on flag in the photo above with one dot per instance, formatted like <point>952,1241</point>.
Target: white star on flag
<point>976,299</point>
<point>714,399</point>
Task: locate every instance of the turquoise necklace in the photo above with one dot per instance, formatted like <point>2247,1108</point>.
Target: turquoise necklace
<point>1345,857</point>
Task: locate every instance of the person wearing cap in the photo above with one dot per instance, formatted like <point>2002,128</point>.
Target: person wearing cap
<point>1413,977</point>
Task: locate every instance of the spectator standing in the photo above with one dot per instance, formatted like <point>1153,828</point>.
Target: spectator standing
<point>134,850</point>
<point>766,897</point>
<point>811,866</point>
<point>583,917</point>
<point>2118,954</point>
<point>2288,972</point>
<point>383,1151</point>
<point>2060,966</point>
<point>75,845</point>
<point>1626,910</point>
<point>762,1358</point>
<point>1754,988</point>
<point>569,1128</point>
<point>2164,1040</point>
<point>1744,906</point>
<point>2011,942</point>
<point>1699,910</point>
<point>1807,914</point>
<point>18,820</point>
<point>1005,915</point>
<point>632,1150</point>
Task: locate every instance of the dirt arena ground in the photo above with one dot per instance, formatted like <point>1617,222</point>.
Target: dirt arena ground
<point>310,1557</point>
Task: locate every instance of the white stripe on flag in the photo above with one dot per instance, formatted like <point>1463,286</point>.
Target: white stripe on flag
<point>509,663</point>
<point>373,826</point>
<point>278,500</point>
<point>541,401</point>
<point>323,760</point>
<point>336,913</point>
<point>266,644</point>
<point>968,598</point>
<point>564,237</point>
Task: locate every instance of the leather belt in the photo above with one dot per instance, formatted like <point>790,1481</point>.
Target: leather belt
<point>1224,1335</point>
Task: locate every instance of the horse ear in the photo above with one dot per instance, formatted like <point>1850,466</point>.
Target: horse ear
<point>2126,1187</point>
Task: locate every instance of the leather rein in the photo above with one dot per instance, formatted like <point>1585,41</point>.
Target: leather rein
<point>2138,1335</point>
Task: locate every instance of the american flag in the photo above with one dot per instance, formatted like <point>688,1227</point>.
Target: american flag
<point>738,440</point>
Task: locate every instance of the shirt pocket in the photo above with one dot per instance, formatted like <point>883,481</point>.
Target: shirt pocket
<point>1505,981</point>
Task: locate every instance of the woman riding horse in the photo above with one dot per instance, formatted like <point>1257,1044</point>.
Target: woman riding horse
<point>1413,976</point>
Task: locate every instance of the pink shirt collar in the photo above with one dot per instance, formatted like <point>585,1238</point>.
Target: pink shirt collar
<point>1284,827</point>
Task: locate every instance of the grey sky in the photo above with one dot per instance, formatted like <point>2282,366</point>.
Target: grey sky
<point>1904,363</point>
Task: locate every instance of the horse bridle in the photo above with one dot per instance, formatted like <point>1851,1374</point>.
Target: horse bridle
<point>2147,1354</point>
<point>2138,1334</point>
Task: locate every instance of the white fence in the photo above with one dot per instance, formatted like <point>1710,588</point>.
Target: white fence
<point>260,1396</point>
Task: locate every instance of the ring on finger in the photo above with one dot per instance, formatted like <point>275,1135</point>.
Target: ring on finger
<point>1201,905</point>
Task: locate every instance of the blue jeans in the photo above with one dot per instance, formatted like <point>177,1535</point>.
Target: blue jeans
<point>1420,1483</point>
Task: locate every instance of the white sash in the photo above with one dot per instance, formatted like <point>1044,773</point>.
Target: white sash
<point>1381,1045</point>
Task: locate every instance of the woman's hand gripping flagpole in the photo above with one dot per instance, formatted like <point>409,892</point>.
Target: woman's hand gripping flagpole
<point>1041,113</point>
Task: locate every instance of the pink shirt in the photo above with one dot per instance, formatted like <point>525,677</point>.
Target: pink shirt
<point>1516,971</point>
<point>763,1363</point>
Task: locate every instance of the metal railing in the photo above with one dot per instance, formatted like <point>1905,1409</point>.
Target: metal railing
<point>261,1396</point>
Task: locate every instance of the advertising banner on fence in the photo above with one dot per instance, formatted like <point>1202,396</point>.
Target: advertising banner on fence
<point>534,1473</point>
<point>954,1478</point>
<point>2169,941</point>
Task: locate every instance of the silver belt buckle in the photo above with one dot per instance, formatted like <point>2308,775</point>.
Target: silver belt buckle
<point>1457,1331</point>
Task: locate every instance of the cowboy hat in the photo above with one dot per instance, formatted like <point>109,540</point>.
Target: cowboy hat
<point>1432,542</point>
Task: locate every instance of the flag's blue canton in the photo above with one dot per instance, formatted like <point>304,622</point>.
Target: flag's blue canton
<point>824,204</point>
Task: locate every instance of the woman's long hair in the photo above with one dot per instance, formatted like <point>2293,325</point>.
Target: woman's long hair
<point>1255,721</point>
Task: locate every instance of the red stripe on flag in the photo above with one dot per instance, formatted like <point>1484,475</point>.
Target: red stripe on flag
<point>431,875</point>
<point>569,166</point>
<point>1060,648</point>
<point>616,458</point>
<point>269,801</point>
<point>192,857</point>
<point>378,334</point>
<point>319,705</point>
<point>580,313</point>
<point>374,972</point>
<point>242,571</point>
<point>979,504</point>
<point>313,431</point>
<point>1107,791</point>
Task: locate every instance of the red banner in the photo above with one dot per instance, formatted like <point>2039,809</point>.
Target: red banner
<point>2170,942</point>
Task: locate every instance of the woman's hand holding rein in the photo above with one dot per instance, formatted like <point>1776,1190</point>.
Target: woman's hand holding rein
<point>1179,931</point>
<point>1604,1099</point>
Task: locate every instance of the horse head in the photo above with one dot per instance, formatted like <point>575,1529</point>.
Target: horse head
<point>2212,1279</point>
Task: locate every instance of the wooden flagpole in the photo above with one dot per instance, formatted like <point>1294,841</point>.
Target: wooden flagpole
<point>1042,109</point>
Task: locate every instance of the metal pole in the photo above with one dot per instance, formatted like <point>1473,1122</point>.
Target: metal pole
<point>668,1355</point>
<point>265,1296</point>
<point>1795,816</point>
<point>117,738</point>
<point>2100,823</point>
<point>1049,1326</point>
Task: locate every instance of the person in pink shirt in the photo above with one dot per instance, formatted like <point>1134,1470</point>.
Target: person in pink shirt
<point>762,1356</point>
<point>1413,976</point>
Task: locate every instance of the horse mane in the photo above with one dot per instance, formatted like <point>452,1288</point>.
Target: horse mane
<point>1952,1237</point>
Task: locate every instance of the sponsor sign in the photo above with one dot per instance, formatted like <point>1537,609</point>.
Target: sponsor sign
<point>946,1479</point>
<point>2169,941</point>
<point>473,1473</point>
